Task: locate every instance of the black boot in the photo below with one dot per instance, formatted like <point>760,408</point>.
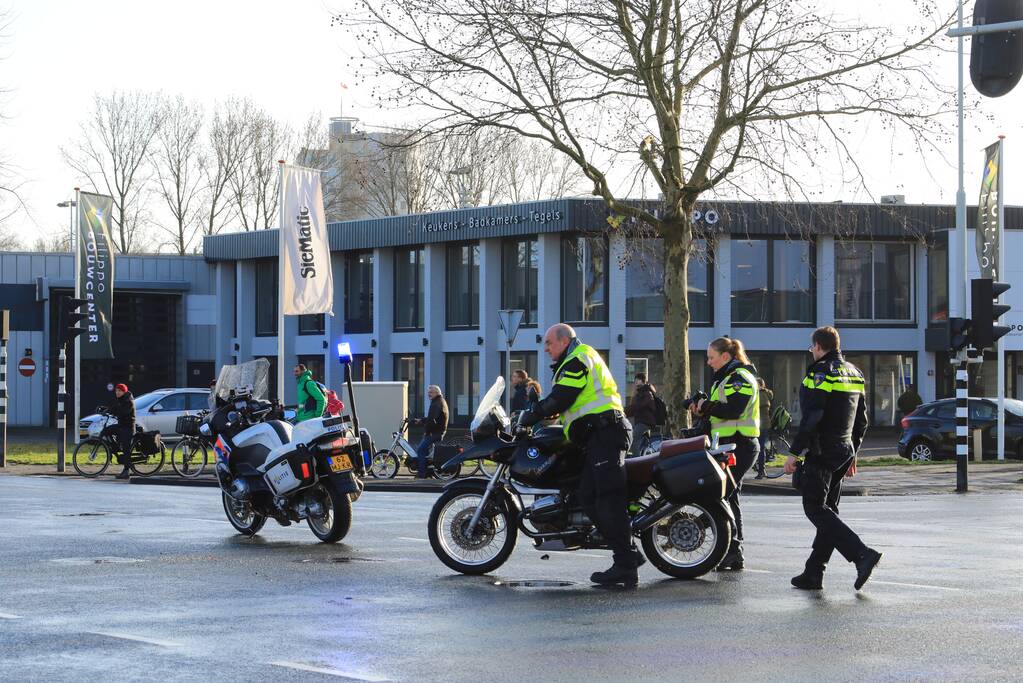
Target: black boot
<point>125,473</point>
<point>733,560</point>
<point>624,574</point>
<point>812,579</point>
<point>865,566</point>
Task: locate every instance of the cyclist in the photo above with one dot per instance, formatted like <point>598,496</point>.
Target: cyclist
<point>124,410</point>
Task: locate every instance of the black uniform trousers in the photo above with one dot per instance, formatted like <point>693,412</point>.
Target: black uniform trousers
<point>747,450</point>
<point>822,490</point>
<point>602,490</point>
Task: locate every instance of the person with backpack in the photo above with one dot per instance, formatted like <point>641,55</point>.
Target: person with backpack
<point>311,400</point>
<point>733,409</point>
<point>766,395</point>
<point>642,411</point>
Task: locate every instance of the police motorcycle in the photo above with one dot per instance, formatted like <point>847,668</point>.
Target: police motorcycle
<point>268,468</point>
<point>676,498</point>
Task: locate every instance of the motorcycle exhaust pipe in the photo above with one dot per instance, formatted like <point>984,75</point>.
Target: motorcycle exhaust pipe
<point>651,517</point>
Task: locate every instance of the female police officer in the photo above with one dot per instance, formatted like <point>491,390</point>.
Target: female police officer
<point>733,409</point>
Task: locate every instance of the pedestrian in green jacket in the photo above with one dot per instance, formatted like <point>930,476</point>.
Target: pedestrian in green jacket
<point>311,400</point>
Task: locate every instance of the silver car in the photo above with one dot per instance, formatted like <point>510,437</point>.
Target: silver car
<point>159,410</point>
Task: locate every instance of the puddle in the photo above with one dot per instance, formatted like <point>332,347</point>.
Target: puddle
<point>340,559</point>
<point>81,561</point>
<point>83,514</point>
<point>535,584</point>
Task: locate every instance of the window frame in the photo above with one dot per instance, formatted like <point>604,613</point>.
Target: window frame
<point>361,328</point>
<point>771,291</point>
<point>317,331</point>
<point>257,300</point>
<point>515,241</point>
<point>709,247</point>
<point>874,321</point>
<point>607,279</point>
<point>474,284</point>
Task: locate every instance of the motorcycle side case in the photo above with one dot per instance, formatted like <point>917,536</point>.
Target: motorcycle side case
<point>289,470</point>
<point>689,476</point>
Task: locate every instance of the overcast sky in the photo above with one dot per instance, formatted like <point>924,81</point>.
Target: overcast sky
<point>287,58</point>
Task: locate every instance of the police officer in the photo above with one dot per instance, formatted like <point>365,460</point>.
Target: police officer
<point>586,397</point>
<point>834,420</point>
<point>733,409</point>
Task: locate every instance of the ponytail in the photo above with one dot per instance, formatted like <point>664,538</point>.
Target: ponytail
<point>732,347</point>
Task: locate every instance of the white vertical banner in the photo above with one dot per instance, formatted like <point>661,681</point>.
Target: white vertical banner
<point>307,285</point>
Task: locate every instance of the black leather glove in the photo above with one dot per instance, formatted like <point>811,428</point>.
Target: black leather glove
<point>528,418</point>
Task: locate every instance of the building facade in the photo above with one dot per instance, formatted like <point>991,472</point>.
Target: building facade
<point>418,297</point>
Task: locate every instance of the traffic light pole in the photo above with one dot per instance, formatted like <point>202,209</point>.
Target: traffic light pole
<point>962,423</point>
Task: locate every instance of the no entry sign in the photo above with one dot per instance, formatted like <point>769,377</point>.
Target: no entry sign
<point>27,367</point>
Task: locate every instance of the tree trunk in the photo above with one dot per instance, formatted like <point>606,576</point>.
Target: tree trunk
<point>677,231</point>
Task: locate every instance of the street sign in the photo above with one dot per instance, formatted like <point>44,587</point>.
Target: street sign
<point>510,321</point>
<point>27,367</point>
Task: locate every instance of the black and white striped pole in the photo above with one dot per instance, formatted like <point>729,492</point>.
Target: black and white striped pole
<point>61,413</point>
<point>962,423</point>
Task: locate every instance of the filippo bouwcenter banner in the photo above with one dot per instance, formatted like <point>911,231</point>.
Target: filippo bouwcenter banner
<point>95,274</point>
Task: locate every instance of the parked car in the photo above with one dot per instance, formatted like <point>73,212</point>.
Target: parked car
<point>160,409</point>
<point>929,432</point>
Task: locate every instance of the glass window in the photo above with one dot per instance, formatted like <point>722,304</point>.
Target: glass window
<point>362,367</point>
<point>463,386</point>
<point>198,401</point>
<point>644,282</point>
<point>937,282</point>
<point>311,324</point>
<point>772,281</point>
<point>172,402</point>
<point>266,297</point>
<point>463,261</point>
<point>519,275</point>
<point>652,364</point>
<point>408,367</point>
<point>359,292</point>
<point>409,288</point>
<point>982,412</point>
<point>314,364</point>
<point>584,279</point>
<point>946,411</point>
<point>874,281</point>
<point>887,376</point>
<point>783,374</point>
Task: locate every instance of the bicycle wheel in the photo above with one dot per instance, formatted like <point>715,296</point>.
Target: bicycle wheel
<point>775,459</point>
<point>91,458</point>
<point>189,457</point>
<point>145,465</point>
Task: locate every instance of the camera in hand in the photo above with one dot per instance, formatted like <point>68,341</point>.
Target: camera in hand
<point>694,399</point>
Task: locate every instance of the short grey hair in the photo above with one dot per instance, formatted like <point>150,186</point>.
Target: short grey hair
<point>434,387</point>
<point>563,331</point>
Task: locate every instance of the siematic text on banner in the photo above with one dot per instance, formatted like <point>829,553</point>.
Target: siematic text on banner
<point>307,281</point>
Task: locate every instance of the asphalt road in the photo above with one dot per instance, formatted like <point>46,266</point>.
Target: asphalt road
<point>101,581</point>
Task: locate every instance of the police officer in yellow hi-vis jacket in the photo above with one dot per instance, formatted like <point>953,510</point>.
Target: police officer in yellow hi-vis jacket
<point>733,410</point>
<point>587,398</point>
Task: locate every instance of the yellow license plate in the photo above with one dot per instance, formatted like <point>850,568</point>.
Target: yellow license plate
<point>340,463</point>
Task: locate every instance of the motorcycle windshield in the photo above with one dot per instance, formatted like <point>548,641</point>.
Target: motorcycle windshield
<point>491,403</point>
<point>253,376</point>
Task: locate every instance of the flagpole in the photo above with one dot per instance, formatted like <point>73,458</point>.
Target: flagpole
<point>280,283</point>
<point>1001,277</point>
<point>78,295</point>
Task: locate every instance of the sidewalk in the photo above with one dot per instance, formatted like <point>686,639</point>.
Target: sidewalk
<point>871,481</point>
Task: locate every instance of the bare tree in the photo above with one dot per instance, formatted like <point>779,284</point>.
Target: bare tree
<point>9,240</point>
<point>253,186</point>
<point>178,169</point>
<point>472,158</point>
<point>220,160</point>
<point>531,170</point>
<point>692,95</point>
<point>112,155</point>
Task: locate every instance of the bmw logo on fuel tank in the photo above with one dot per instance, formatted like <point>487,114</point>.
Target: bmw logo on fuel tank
<point>532,454</point>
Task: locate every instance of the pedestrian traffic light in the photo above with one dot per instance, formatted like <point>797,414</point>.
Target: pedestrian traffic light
<point>996,59</point>
<point>68,318</point>
<point>986,312</point>
<point>958,334</point>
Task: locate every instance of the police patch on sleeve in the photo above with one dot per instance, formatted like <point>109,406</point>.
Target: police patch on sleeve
<point>737,384</point>
<point>818,378</point>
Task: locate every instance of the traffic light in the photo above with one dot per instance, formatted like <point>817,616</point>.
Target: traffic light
<point>986,312</point>
<point>996,59</point>
<point>958,334</point>
<point>68,318</point>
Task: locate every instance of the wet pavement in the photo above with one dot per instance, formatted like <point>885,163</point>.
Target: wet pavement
<point>113,582</point>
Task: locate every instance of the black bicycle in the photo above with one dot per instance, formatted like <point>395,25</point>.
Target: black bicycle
<point>92,455</point>
<point>770,464</point>
<point>190,455</point>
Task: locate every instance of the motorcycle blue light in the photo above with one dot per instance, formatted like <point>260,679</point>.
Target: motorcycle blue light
<point>344,352</point>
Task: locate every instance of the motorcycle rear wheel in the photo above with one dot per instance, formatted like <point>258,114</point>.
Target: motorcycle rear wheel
<point>243,518</point>
<point>337,519</point>
<point>689,543</point>
<point>491,543</point>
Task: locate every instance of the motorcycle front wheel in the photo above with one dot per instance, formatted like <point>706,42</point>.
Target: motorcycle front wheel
<point>491,542</point>
<point>689,543</point>
<point>336,520</point>
<point>241,515</point>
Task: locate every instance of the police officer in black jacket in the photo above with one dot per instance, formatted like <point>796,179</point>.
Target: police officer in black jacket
<point>124,410</point>
<point>834,421</point>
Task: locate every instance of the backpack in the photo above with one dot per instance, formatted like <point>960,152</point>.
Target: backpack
<point>660,410</point>
<point>780,418</point>
<point>333,405</point>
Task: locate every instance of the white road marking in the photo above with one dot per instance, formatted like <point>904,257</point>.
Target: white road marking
<point>328,671</point>
<point>8,615</point>
<point>917,585</point>
<point>757,571</point>
<point>137,639</point>
<point>409,538</point>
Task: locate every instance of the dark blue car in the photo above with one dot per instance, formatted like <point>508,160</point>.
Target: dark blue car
<point>929,432</point>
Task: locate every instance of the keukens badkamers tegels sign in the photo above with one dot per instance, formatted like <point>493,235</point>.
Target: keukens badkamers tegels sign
<point>95,274</point>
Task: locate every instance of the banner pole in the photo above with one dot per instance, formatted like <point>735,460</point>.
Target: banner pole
<point>77,246</point>
<point>280,283</point>
<point>998,255</point>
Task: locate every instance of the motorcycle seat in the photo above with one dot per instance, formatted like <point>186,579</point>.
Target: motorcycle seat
<point>641,470</point>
